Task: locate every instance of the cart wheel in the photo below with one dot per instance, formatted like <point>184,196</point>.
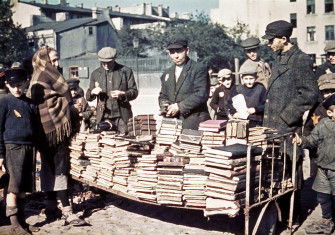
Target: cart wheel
<point>268,221</point>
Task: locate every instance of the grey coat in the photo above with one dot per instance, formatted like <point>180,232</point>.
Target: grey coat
<point>190,93</point>
<point>124,77</point>
<point>292,90</point>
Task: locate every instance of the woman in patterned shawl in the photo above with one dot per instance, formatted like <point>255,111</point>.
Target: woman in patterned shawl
<point>49,91</point>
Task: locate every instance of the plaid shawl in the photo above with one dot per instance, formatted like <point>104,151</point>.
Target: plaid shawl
<point>49,90</point>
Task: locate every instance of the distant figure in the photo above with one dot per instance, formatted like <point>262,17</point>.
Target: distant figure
<point>251,49</point>
<point>329,65</point>
<point>184,87</point>
<point>114,86</point>
<point>16,65</point>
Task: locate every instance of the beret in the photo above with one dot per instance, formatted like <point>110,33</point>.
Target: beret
<point>329,101</point>
<point>107,54</point>
<point>177,43</point>
<point>224,73</point>
<point>326,81</point>
<point>250,43</point>
<point>278,28</point>
<point>15,76</point>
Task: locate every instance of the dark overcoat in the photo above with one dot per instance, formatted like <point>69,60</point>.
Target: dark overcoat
<point>190,92</point>
<point>292,90</point>
<point>124,78</point>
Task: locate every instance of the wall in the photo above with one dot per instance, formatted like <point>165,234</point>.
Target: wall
<point>72,42</point>
<point>21,16</point>
<point>106,36</point>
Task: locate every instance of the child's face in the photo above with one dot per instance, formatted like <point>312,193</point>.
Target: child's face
<point>16,89</point>
<point>331,112</point>
<point>248,80</point>
<point>74,93</point>
<point>252,54</point>
<point>226,81</point>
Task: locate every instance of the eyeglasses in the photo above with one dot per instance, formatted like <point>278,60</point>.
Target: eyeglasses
<point>18,85</point>
<point>224,79</point>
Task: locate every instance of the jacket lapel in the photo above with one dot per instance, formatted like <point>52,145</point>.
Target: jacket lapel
<point>183,75</point>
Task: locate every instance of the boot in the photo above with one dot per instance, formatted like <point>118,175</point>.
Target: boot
<point>323,226</point>
<point>51,210</point>
<point>22,217</point>
<point>16,228</point>
<point>71,218</point>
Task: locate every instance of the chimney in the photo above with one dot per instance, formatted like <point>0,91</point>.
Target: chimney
<point>44,1</point>
<point>63,2</point>
<point>94,12</point>
<point>160,10</point>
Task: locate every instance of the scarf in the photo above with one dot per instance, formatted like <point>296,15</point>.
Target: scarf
<point>49,91</point>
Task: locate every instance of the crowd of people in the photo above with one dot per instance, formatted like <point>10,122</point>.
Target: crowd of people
<point>42,111</point>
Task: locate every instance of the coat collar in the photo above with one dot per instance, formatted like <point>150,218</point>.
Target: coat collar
<point>116,75</point>
<point>183,74</point>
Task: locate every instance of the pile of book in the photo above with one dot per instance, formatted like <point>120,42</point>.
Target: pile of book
<point>236,131</point>
<point>169,188</point>
<point>92,153</point>
<point>258,135</point>
<point>212,125</point>
<point>189,141</point>
<point>169,131</point>
<point>213,132</point>
<point>225,187</point>
<point>78,162</point>
<point>142,125</point>
<point>143,181</point>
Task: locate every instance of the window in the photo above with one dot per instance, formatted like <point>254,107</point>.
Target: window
<point>293,0</point>
<point>329,6</point>
<point>293,19</point>
<point>73,72</point>
<point>311,33</point>
<point>329,32</point>
<point>90,30</point>
<point>310,6</point>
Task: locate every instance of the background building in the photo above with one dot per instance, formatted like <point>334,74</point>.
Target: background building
<point>314,20</point>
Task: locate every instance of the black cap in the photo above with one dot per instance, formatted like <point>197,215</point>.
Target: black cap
<point>250,43</point>
<point>16,76</point>
<point>73,83</point>
<point>177,43</point>
<point>278,28</point>
<point>329,101</point>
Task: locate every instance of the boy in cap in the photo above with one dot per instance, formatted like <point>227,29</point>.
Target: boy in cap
<point>323,138</point>
<point>251,49</point>
<point>222,97</point>
<point>329,65</point>
<point>254,94</point>
<point>114,86</point>
<point>184,86</point>
<point>18,119</point>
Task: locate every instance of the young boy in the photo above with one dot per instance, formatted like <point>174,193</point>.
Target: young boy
<point>17,116</point>
<point>323,137</point>
<point>254,94</point>
<point>222,97</point>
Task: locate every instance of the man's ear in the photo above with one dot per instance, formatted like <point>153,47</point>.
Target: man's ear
<point>329,113</point>
<point>285,39</point>
<point>187,50</point>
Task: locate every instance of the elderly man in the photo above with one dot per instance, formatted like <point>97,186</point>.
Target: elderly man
<point>114,86</point>
<point>251,49</point>
<point>329,65</point>
<point>185,87</point>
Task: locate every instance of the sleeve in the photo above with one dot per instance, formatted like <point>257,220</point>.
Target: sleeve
<point>262,99</point>
<point>87,112</point>
<point>3,111</point>
<point>132,91</point>
<point>312,140</point>
<point>307,91</point>
<point>163,94</point>
<point>200,92</point>
<point>89,95</point>
<point>215,99</point>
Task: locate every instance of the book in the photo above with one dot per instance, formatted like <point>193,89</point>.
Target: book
<point>235,150</point>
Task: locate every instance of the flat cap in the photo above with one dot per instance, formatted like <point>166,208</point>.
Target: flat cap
<point>15,76</point>
<point>248,69</point>
<point>250,43</point>
<point>107,54</point>
<point>329,101</point>
<point>326,81</point>
<point>224,73</point>
<point>278,28</point>
<point>330,46</point>
<point>177,43</point>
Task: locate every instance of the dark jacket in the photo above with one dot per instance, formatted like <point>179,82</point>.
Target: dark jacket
<point>190,93</point>
<point>3,93</point>
<point>292,90</point>
<point>323,138</point>
<point>222,101</point>
<point>255,98</point>
<point>322,69</point>
<point>18,118</point>
<point>123,77</point>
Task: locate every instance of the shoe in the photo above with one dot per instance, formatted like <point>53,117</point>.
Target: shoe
<point>323,226</point>
<point>71,218</point>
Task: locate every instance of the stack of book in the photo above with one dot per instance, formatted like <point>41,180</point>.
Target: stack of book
<point>213,125</point>
<point>142,182</point>
<point>170,181</point>
<point>92,153</point>
<point>78,162</point>
<point>142,125</point>
<point>236,131</point>
<point>190,141</point>
<point>210,138</point>
<point>169,131</point>
<point>225,187</point>
<point>258,135</point>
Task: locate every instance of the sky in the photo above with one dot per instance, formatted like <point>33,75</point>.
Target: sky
<point>179,6</point>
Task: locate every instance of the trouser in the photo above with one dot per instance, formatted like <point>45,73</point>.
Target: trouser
<point>327,203</point>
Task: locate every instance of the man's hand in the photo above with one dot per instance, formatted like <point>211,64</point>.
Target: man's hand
<point>172,110</point>
<point>117,94</point>
<point>296,139</point>
<point>1,162</point>
<point>96,91</point>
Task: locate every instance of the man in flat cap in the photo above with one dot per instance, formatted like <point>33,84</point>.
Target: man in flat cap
<point>185,87</point>
<point>114,86</point>
<point>251,49</point>
<point>329,65</point>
